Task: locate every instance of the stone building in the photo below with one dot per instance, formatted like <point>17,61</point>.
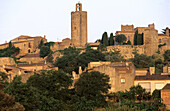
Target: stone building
<point>151,40</point>
<point>121,74</point>
<point>26,44</point>
<point>152,82</point>
<point>79,27</point>
<point>165,95</point>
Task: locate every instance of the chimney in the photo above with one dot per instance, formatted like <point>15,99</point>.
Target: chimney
<point>152,70</point>
<point>80,70</point>
<point>5,41</point>
<point>167,31</point>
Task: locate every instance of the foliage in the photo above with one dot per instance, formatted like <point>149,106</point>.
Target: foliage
<point>159,62</point>
<point>45,91</point>
<point>10,44</point>
<point>142,61</point>
<point>104,40</point>
<point>50,58</point>
<point>92,86</point>
<point>7,102</point>
<point>102,47</point>
<point>90,56</point>
<point>70,51</point>
<point>72,59</point>
<point>167,56</point>
<point>135,37</point>
<point>67,63</point>
<point>114,56</point>
<point>111,39</point>
<point>49,44</point>
<point>41,43</point>
<point>44,51</point>
<point>120,38</point>
<point>129,42</point>
<point>164,31</point>
<point>3,78</point>
<point>138,38</point>
<point>160,45</point>
<point>9,51</point>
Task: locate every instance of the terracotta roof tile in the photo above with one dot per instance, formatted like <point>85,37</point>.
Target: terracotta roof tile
<point>153,77</point>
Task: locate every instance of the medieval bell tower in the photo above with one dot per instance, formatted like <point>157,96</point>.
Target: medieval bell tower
<point>79,27</point>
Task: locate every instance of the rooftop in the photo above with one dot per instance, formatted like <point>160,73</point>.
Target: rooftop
<point>153,77</point>
<point>166,87</point>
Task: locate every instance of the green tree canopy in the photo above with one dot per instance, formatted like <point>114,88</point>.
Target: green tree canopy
<point>41,43</point>
<point>92,86</point>
<point>114,57</point>
<point>167,56</point>
<point>120,38</point>
<point>142,61</point>
<point>44,51</point>
<point>7,102</point>
<point>104,40</point>
<point>111,39</point>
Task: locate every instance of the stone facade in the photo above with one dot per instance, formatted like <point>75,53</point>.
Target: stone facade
<point>26,44</point>
<point>121,74</point>
<point>126,50</point>
<point>79,27</point>
<point>165,92</point>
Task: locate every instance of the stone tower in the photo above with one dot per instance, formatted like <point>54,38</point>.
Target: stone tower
<point>150,37</point>
<point>79,27</point>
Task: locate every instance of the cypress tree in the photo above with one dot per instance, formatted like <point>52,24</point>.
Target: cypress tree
<point>111,40</point>
<point>140,39</point>
<point>105,39</point>
<point>129,42</point>
<point>10,44</point>
<point>135,37</point>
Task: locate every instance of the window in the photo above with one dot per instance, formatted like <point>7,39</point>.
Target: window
<point>74,28</point>
<point>29,45</point>
<point>159,40</point>
<point>29,51</point>
<point>122,80</point>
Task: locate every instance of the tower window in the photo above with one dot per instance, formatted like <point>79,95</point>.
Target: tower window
<point>75,28</point>
<point>122,80</point>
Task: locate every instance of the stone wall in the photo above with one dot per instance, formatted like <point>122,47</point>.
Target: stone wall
<point>150,41</point>
<point>126,50</point>
<point>121,74</point>
<point>79,27</point>
<point>7,61</point>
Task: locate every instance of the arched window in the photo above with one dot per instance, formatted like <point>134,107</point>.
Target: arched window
<point>29,51</point>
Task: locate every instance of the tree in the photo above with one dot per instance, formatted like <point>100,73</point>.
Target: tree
<point>120,38</point>
<point>111,39</point>
<point>93,85</point>
<point>41,43</point>
<point>164,31</point>
<point>140,39</point>
<point>142,61</point>
<point>7,102</point>
<point>135,37</point>
<point>44,51</point>
<point>114,57</point>
<point>167,56</point>
<point>129,42</point>
<point>44,91</point>
<point>90,56</point>
<point>105,39</point>
<point>10,44</point>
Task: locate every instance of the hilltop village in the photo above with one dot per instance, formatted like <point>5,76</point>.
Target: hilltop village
<point>133,56</point>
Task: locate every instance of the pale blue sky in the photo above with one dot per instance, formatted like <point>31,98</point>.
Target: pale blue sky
<point>53,17</point>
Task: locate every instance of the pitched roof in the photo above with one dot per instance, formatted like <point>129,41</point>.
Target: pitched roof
<point>31,55</point>
<point>153,77</point>
<point>166,87</point>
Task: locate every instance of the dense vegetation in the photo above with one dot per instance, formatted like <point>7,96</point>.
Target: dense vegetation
<point>9,51</point>
<point>51,90</point>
